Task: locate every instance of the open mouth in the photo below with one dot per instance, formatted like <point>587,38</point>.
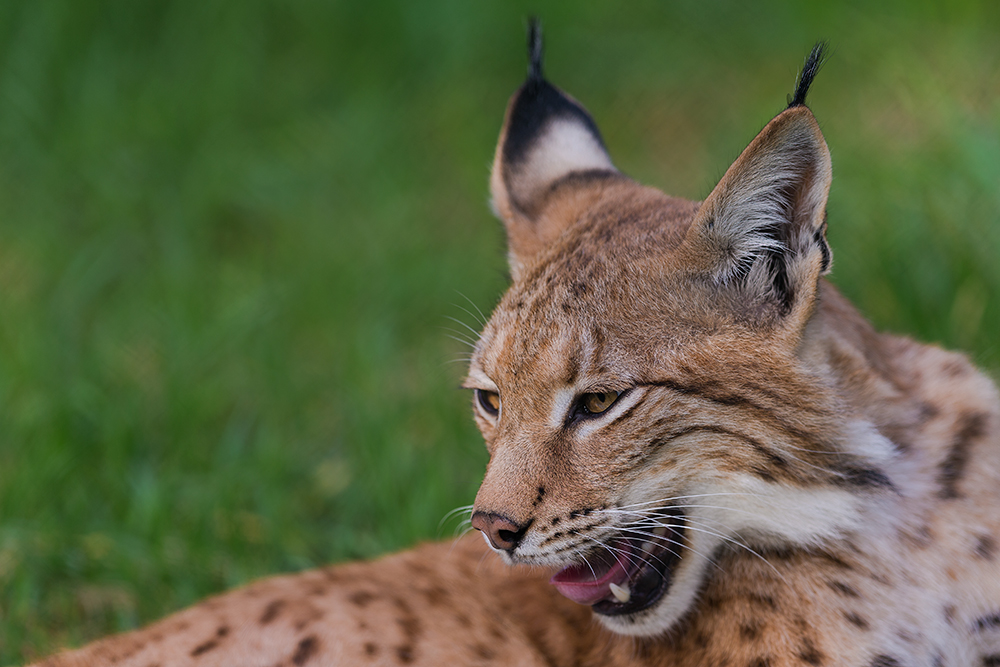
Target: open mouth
<point>631,572</point>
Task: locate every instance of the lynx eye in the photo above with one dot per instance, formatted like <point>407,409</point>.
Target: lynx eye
<point>598,402</point>
<point>489,401</point>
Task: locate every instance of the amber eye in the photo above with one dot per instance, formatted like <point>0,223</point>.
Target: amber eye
<point>598,402</point>
<point>489,400</point>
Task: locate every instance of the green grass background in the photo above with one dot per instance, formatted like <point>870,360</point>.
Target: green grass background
<point>232,234</point>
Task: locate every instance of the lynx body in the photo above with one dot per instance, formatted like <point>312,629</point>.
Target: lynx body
<point>721,462</point>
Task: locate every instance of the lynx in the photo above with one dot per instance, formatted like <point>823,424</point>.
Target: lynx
<point>700,453</point>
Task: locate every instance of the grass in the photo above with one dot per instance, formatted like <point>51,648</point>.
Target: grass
<point>232,234</point>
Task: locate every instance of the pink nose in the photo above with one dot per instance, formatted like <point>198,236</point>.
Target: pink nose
<point>502,532</point>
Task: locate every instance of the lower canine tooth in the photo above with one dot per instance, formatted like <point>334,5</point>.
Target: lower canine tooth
<point>621,593</point>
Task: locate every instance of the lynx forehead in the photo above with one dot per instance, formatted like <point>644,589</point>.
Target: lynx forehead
<point>693,437</point>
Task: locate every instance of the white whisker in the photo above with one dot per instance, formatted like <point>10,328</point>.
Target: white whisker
<point>726,538</point>
<point>463,509</point>
<point>461,340</point>
<point>475,334</point>
<point>481,318</point>
<point>663,501</point>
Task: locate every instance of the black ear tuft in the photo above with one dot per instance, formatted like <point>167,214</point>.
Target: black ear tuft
<point>809,70</point>
<point>538,111</point>
<point>535,49</point>
<point>550,150</point>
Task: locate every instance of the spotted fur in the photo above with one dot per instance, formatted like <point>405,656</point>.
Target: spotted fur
<point>832,493</point>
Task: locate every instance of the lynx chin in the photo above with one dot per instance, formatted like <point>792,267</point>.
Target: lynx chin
<point>704,455</point>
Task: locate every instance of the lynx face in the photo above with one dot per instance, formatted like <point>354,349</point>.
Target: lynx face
<point>645,387</point>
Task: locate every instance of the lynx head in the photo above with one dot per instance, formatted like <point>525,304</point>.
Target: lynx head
<point>644,387</point>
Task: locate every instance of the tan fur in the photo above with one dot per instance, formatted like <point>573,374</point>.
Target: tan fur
<point>839,488</point>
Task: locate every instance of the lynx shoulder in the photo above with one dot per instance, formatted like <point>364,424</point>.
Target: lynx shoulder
<point>694,439</point>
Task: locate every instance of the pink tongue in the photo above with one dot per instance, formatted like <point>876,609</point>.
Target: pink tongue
<point>579,583</point>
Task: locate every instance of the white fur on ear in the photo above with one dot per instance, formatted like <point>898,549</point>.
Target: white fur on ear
<point>563,146</point>
<point>548,141</point>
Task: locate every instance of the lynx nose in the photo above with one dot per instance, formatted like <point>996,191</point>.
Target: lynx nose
<point>499,530</point>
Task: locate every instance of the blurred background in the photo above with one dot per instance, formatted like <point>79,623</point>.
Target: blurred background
<point>234,234</point>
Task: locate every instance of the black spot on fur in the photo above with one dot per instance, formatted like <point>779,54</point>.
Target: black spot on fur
<point>835,561</point>
<point>809,70</point>
<point>306,649</point>
<point>991,661</point>
<point>484,652</point>
<point>764,661</point>
<point>986,547</point>
<point>784,553</point>
<point>204,647</point>
<point>404,654</point>
<point>361,598</point>
<point>885,661</point>
<point>866,478</point>
<point>952,468</point>
<point>987,622</point>
<point>763,600</point>
<point>370,649</point>
<point>774,458</point>
<point>410,626</point>
<point>750,630</point>
<point>809,653</point>
<point>857,620</point>
<point>928,411</point>
<point>949,613</point>
<point>271,611</point>
<point>843,589</point>
<point>763,473</point>
<point>712,602</point>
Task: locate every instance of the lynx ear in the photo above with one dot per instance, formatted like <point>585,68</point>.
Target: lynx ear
<point>548,141</point>
<point>760,234</point>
